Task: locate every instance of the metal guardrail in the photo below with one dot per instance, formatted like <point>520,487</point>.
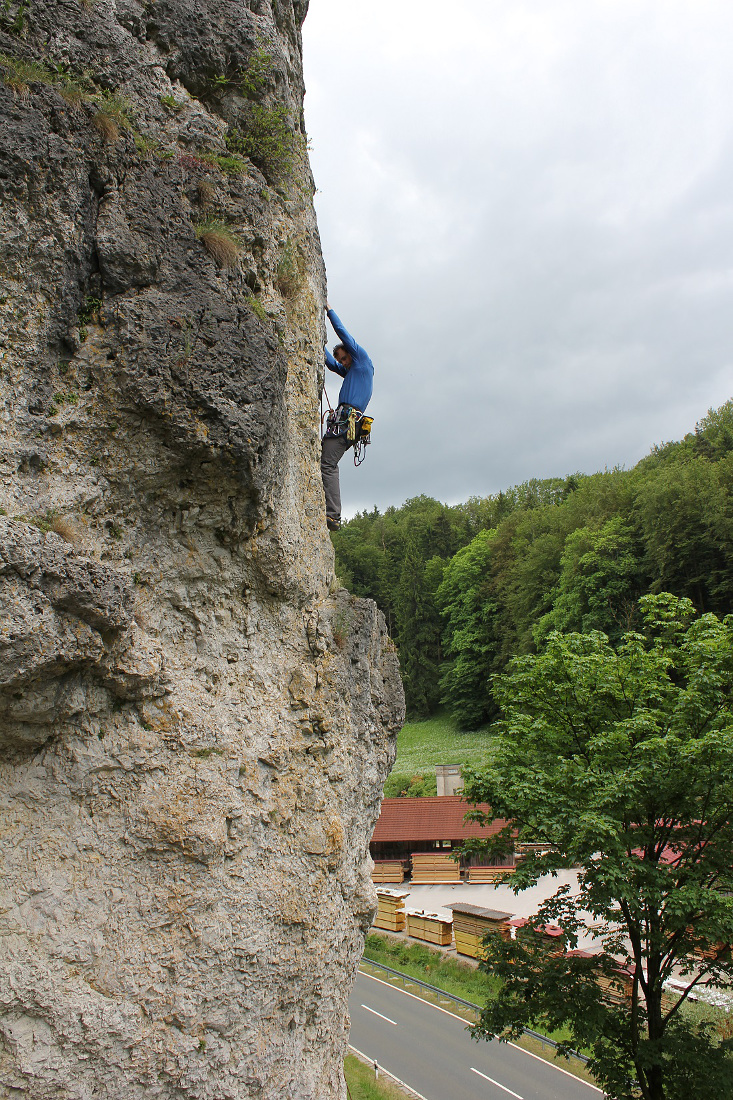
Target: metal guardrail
<point>467,1004</point>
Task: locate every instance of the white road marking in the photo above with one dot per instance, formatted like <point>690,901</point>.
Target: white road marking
<point>493,1082</point>
<point>529,1053</point>
<point>380,1015</point>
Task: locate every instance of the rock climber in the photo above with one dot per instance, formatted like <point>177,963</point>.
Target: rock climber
<point>352,363</point>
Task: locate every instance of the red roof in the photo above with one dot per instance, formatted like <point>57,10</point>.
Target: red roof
<point>440,818</point>
<point>552,930</point>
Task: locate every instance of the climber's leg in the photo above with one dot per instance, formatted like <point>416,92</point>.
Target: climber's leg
<point>333,450</point>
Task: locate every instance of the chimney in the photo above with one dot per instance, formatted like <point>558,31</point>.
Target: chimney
<point>448,778</point>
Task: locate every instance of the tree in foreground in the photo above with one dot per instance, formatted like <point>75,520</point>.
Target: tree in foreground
<point>620,761</point>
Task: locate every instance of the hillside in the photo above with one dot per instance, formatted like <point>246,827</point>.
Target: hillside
<point>464,588</point>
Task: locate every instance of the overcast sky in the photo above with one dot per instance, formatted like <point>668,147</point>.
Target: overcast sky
<point>526,211</point>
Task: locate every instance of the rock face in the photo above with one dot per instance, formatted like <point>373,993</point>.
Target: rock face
<point>195,722</point>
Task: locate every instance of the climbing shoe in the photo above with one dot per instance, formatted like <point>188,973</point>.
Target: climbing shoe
<point>333,524</point>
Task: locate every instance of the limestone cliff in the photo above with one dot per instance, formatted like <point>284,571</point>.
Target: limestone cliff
<point>195,724</point>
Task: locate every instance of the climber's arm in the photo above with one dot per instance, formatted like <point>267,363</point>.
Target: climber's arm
<point>344,335</point>
<point>333,364</point>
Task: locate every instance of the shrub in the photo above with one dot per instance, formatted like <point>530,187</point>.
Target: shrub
<point>405,786</point>
<point>268,140</point>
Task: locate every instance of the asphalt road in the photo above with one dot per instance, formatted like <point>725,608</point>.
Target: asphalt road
<point>432,1052</point>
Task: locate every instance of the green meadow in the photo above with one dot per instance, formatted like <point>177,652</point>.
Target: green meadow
<point>422,745</point>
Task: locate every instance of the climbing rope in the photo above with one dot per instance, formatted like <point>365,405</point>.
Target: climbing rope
<point>324,393</point>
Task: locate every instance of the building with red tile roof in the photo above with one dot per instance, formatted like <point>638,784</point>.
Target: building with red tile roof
<point>407,825</point>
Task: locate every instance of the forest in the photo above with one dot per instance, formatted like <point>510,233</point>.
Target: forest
<point>466,587</point>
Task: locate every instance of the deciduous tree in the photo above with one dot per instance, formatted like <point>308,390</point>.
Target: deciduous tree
<point>620,760</point>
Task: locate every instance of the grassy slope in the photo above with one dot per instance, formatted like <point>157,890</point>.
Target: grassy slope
<point>422,745</point>
<point>433,966</point>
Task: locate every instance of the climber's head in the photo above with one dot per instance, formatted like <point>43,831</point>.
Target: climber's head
<point>342,356</point>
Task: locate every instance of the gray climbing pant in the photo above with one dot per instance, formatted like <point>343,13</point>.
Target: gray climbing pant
<point>334,447</point>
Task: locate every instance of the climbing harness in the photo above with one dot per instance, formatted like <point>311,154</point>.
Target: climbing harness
<point>351,422</point>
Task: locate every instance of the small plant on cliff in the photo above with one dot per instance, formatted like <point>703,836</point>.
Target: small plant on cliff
<point>250,82</point>
<point>72,93</point>
<point>257,308</point>
<point>64,527</point>
<point>342,626</point>
<point>44,521</point>
<point>19,74</point>
<point>231,165</point>
<point>290,270</point>
<point>219,241</point>
<point>171,103</point>
<point>68,397</point>
<point>205,192</point>
<point>13,15</point>
<point>88,314</point>
<point>267,139</point>
<point>112,115</point>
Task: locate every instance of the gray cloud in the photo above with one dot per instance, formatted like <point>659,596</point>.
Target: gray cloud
<point>527,220</point>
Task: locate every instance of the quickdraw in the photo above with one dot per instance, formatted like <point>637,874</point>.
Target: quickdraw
<point>365,438</point>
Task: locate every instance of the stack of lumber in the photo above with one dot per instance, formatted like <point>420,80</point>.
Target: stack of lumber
<point>486,873</point>
<point>710,951</point>
<point>434,867</point>
<point>610,986</point>
<point>472,922</point>
<point>623,977</point>
<point>551,932</point>
<point>389,870</point>
<point>523,848</point>
<point>429,927</point>
<point>390,911</point>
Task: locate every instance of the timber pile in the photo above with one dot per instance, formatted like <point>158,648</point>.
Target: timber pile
<point>389,870</point>
<point>472,922</point>
<point>390,911</point>
<point>434,867</point>
<point>485,873</point>
<point>429,927</point>
<point>523,848</point>
<point>710,952</point>
<point>550,932</point>
<point>610,986</point>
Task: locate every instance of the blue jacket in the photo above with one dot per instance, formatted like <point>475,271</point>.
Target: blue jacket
<point>356,389</point>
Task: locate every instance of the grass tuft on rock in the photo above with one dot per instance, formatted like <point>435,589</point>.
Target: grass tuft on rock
<point>205,192</point>
<point>18,74</point>
<point>219,241</point>
<point>106,127</point>
<point>112,116</point>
